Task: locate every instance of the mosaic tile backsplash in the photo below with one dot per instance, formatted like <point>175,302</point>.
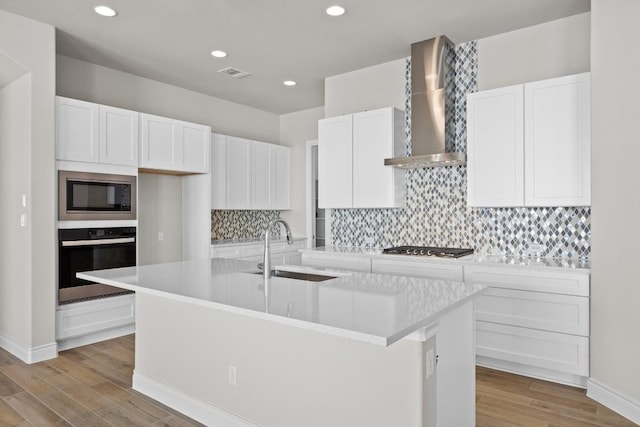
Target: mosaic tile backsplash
<point>242,224</point>
<point>436,211</point>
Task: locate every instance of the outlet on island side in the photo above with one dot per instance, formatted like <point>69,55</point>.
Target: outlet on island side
<point>430,363</point>
<point>160,236</point>
<point>233,375</point>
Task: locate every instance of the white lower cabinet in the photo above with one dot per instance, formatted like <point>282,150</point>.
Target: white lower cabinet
<point>533,323</point>
<point>452,271</point>
<point>92,321</point>
<point>526,351</point>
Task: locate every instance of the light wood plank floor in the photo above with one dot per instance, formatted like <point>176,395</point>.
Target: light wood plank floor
<point>91,386</point>
<point>504,399</point>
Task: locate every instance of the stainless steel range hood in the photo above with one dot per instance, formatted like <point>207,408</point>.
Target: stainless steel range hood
<point>428,97</point>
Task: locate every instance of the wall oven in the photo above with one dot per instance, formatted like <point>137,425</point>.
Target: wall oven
<point>96,196</point>
<point>86,249</point>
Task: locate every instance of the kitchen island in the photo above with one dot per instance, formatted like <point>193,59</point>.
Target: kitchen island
<point>224,345</point>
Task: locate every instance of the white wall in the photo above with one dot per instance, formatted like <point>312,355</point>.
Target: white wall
<point>159,211</point>
<point>15,244</point>
<point>369,88</point>
<point>32,45</point>
<point>615,315</point>
<point>295,129</point>
<point>552,49</point>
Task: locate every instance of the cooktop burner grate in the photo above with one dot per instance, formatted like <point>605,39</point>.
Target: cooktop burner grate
<point>428,251</point>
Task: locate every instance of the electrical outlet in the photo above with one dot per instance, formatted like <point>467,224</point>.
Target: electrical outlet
<point>431,363</point>
<point>23,220</point>
<point>369,241</point>
<point>233,375</point>
<point>160,236</point>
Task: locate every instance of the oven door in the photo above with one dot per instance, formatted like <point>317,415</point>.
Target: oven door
<point>91,254</point>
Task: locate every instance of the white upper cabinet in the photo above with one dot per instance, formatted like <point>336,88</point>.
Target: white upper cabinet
<point>530,145</point>
<point>261,191</point>
<point>249,174</point>
<point>118,136</point>
<point>495,149</point>
<point>196,141</point>
<point>77,130</point>
<point>557,123</point>
<point>377,135</point>
<point>88,132</point>
<point>239,167</point>
<point>174,145</point>
<point>280,177</point>
<point>218,171</point>
<point>351,153</point>
<point>335,162</point>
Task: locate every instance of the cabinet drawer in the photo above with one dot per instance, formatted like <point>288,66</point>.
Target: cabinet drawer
<point>230,252</point>
<point>337,261</point>
<point>557,283</point>
<point>549,312</point>
<point>250,250</point>
<point>418,269</point>
<point>93,316</point>
<point>542,349</point>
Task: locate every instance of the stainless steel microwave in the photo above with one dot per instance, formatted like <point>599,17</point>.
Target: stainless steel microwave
<point>96,196</point>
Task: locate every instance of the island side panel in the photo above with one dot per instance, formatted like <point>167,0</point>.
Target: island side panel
<point>285,375</point>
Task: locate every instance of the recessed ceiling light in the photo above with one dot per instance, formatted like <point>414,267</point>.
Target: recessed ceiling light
<point>289,83</point>
<point>336,10</point>
<point>105,11</point>
<point>219,53</point>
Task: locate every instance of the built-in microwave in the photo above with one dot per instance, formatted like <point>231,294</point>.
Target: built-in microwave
<point>96,196</point>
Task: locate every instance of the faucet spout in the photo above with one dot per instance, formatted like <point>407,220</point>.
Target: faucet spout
<point>267,252</point>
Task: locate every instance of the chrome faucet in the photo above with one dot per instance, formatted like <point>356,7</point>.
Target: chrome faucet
<point>266,263</point>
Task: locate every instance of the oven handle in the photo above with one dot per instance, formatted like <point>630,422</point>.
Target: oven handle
<point>96,242</point>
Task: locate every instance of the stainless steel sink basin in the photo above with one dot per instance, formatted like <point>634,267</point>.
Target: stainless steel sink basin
<point>311,277</point>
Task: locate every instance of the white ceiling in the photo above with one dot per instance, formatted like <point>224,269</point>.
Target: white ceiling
<point>274,40</point>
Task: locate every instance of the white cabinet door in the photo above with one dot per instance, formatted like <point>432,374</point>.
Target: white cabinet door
<point>281,177</point>
<point>218,171</point>
<point>195,140</point>
<point>495,174</point>
<point>238,173</point>
<point>335,162</point>
<point>118,136</point>
<point>261,188</point>
<point>377,135</point>
<point>160,143</point>
<point>77,130</point>
<point>558,142</point>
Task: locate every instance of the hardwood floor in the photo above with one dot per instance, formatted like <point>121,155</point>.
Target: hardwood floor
<point>85,386</point>
<point>91,386</point>
<point>504,399</point>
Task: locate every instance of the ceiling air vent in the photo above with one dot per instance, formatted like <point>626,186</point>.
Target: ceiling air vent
<point>236,73</point>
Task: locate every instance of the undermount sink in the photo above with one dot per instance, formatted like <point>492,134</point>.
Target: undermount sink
<point>311,277</point>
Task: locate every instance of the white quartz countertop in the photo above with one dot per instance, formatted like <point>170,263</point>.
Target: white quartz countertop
<point>248,241</point>
<point>553,264</point>
<point>374,308</point>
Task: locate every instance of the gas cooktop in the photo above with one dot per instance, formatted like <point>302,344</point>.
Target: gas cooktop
<point>428,251</point>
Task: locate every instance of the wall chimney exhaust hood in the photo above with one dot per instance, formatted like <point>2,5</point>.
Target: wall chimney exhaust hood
<point>428,97</point>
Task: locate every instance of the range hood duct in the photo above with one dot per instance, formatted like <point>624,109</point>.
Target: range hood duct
<point>428,96</point>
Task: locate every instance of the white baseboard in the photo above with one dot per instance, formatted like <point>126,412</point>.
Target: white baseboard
<point>190,406</point>
<point>29,354</point>
<point>68,343</point>
<point>614,400</point>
